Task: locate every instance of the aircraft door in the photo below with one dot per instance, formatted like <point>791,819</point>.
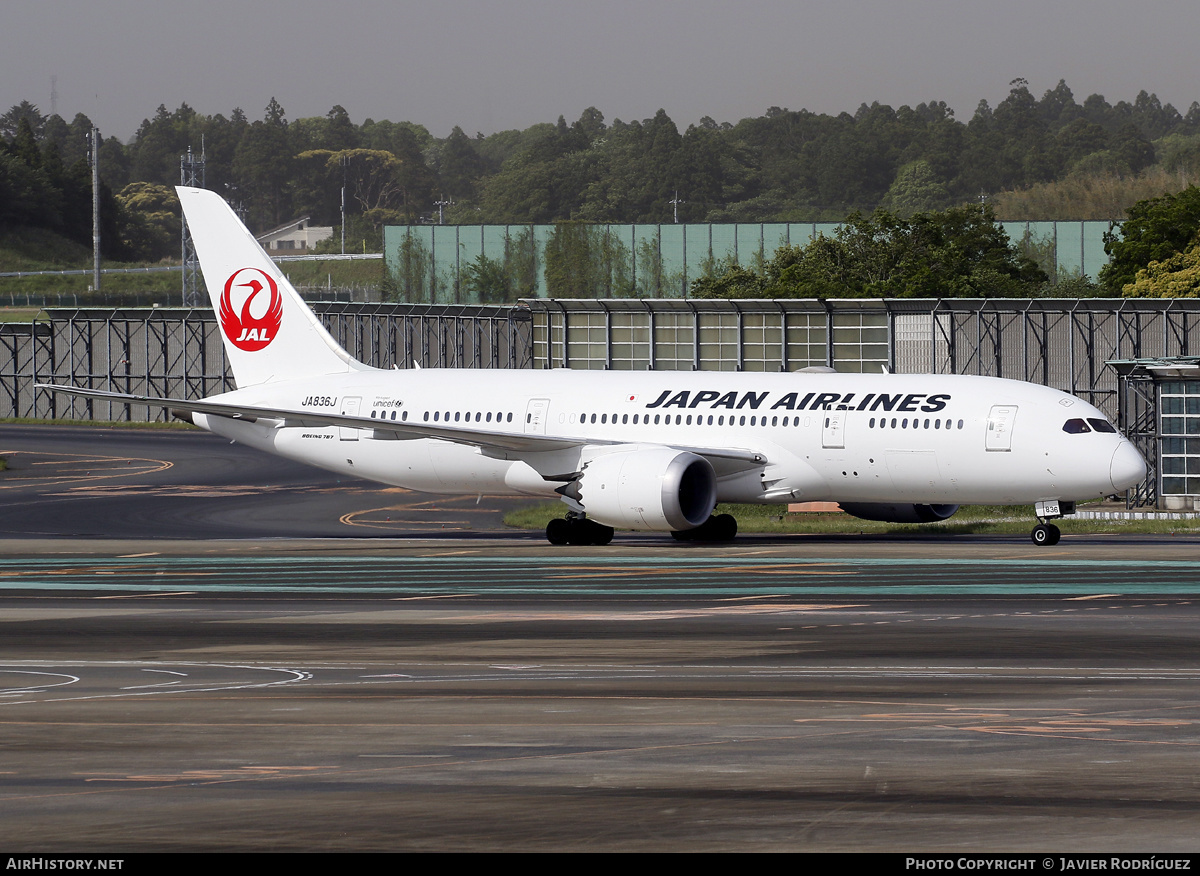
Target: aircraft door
<point>833,430</point>
<point>535,416</point>
<point>999,427</point>
<point>349,408</point>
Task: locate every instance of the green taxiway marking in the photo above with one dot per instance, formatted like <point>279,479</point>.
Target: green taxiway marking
<point>595,576</point>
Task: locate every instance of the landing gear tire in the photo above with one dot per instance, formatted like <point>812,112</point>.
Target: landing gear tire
<point>1045,534</point>
<point>558,531</point>
<point>578,531</point>
<point>722,527</point>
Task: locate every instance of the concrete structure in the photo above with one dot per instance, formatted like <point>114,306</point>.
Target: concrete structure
<point>295,236</point>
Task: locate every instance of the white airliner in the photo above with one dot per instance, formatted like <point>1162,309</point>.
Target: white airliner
<point>635,450</point>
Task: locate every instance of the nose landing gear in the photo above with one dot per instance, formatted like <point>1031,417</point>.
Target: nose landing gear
<point>1046,533</point>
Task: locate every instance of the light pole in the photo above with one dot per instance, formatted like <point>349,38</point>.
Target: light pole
<point>95,159</point>
<point>675,202</point>
<point>445,202</point>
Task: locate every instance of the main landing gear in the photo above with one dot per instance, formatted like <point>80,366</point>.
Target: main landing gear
<point>578,531</point>
<point>720,527</point>
<point>1046,533</point>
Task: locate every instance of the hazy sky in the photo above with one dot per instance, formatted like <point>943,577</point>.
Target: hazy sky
<point>489,66</point>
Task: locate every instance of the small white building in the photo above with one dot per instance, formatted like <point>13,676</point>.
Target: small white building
<point>297,236</point>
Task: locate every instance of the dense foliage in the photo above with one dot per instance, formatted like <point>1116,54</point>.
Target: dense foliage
<point>1155,230</point>
<point>958,253</point>
<point>784,165</point>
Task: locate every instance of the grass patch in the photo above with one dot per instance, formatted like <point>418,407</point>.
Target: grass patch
<point>19,314</point>
<point>970,519</point>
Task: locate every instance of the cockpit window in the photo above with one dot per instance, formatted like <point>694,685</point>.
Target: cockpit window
<point>1101,425</point>
<point>1075,426</point>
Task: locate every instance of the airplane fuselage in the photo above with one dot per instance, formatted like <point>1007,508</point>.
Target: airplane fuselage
<point>844,437</point>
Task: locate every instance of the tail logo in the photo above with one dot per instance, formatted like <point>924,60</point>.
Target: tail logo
<point>245,330</point>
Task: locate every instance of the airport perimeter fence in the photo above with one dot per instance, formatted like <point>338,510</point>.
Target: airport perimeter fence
<point>1063,343</point>
<point>175,351</point>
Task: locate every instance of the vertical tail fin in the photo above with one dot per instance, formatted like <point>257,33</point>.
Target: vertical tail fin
<point>268,331</point>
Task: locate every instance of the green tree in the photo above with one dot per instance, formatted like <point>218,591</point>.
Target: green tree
<point>414,278</point>
<point>586,261</point>
<point>263,167</point>
<point>957,253</point>
<point>1154,230</point>
<point>1175,277</point>
<point>26,111</point>
<point>915,189</point>
<point>152,219</point>
<point>522,262</point>
<point>459,165</point>
<point>488,280</point>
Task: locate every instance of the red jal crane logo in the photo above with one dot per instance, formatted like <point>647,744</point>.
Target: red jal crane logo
<point>245,330</point>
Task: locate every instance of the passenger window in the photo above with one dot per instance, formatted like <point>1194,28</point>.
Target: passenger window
<point>1075,427</point>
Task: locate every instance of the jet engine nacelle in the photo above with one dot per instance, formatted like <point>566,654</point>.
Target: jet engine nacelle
<point>655,488</point>
<point>898,512</point>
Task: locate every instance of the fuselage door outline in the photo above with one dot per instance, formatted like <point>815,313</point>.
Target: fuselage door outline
<point>535,416</point>
<point>999,428</point>
<point>350,406</point>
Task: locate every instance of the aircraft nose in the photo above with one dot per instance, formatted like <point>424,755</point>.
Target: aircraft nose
<point>1127,468</point>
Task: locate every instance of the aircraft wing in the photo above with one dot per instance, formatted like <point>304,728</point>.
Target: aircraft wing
<point>484,438</point>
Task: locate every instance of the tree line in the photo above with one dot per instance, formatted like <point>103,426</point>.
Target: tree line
<point>886,169</point>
